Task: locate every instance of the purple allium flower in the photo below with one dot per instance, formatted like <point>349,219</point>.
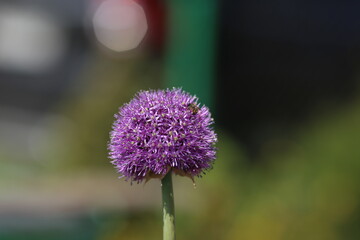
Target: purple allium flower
<point>159,131</point>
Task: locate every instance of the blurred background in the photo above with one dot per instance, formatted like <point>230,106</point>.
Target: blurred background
<point>281,78</point>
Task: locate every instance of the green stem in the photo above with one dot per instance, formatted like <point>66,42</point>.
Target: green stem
<point>168,207</point>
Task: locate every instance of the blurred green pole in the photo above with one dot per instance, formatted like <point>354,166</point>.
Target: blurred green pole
<point>190,57</point>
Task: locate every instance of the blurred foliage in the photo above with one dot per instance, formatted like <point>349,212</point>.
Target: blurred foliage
<point>308,187</point>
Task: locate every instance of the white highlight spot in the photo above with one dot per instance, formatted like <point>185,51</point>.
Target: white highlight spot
<point>120,25</point>
<point>30,40</point>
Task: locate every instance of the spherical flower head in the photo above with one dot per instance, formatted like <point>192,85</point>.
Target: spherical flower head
<point>159,131</point>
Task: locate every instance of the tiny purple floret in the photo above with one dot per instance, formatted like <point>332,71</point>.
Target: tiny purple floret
<point>159,131</point>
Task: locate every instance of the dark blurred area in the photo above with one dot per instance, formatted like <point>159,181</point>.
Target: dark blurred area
<point>287,111</point>
<point>281,61</point>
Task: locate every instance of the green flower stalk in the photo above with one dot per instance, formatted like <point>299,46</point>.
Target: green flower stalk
<point>168,207</point>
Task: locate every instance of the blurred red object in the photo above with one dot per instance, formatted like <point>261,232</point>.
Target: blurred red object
<point>156,16</point>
